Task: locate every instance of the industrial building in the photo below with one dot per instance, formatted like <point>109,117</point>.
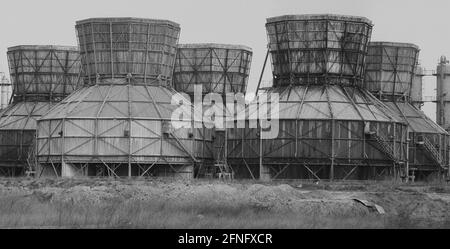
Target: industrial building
<point>5,91</point>
<point>119,124</point>
<point>390,74</point>
<point>348,108</point>
<point>442,93</point>
<point>417,87</point>
<point>330,127</point>
<point>222,69</point>
<point>41,76</point>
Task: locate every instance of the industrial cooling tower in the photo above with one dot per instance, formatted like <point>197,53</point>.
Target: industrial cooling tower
<point>329,127</point>
<point>390,72</point>
<point>219,69</point>
<point>120,124</point>
<point>41,76</point>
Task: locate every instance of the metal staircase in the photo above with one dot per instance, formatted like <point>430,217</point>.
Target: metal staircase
<point>221,169</point>
<point>433,152</point>
<point>31,160</point>
<point>384,146</point>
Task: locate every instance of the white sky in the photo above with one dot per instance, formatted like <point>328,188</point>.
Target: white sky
<point>424,23</point>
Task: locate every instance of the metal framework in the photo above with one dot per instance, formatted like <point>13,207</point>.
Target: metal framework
<point>390,69</point>
<point>121,125</point>
<point>428,142</point>
<point>325,133</point>
<point>329,127</point>
<point>128,50</point>
<point>219,68</point>
<point>318,49</point>
<point>390,73</point>
<point>41,76</point>
<point>126,129</point>
<point>46,73</point>
<point>17,134</point>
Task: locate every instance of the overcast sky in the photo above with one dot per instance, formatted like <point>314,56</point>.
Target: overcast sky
<point>425,23</point>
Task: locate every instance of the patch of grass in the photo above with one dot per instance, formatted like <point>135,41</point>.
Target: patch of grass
<point>30,212</point>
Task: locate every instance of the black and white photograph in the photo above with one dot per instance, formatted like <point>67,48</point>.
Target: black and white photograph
<point>241,116</point>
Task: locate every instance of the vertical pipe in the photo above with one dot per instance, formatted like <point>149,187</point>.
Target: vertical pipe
<point>111,56</point>
<point>63,134</point>
<point>262,173</point>
<point>225,146</point>
<point>129,76</point>
<point>193,144</point>
<point>407,157</point>
<point>332,149</point>
<point>446,154</point>
<point>129,131</point>
<point>441,97</point>
<point>35,158</point>
<point>2,89</point>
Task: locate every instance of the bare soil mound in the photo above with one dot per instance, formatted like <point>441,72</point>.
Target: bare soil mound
<point>411,201</point>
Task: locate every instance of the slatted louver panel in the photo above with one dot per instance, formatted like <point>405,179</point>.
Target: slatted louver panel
<point>44,72</point>
<point>141,51</point>
<point>318,49</point>
<point>390,68</point>
<point>218,68</point>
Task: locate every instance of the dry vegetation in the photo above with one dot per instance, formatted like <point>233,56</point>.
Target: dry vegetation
<point>156,203</point>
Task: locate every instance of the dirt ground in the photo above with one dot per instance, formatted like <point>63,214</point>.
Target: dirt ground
<point>412,202</point>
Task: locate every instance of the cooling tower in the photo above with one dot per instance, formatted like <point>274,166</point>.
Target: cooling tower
<point>329,127</point>
<point>221,69</point>
<point>40,76</point>
<point>318,49</point>
<point>390,72</point>
<point>120,123</point>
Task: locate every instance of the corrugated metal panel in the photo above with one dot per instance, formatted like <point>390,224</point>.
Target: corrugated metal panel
<point>417,120</point>
<point>72,146</point>
<point>17,131</point>
<point>312,111</point>
<point>97,125</point>
<point>345,103</point>
<point>314,142</point>
<point>23,115</point>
